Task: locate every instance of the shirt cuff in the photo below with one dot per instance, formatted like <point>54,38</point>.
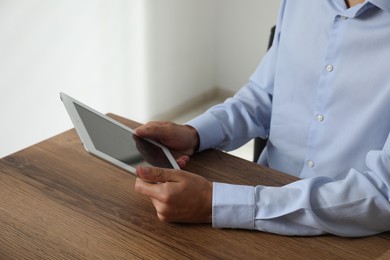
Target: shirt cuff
<point>233,206</point>
<point>209,131</point>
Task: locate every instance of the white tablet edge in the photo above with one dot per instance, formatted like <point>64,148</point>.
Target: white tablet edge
<point>87,142</point>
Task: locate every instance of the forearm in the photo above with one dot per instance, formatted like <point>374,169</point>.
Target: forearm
<point>236,121</point>
<point>355,206</point>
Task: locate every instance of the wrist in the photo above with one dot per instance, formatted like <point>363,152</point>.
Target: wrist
<point>210,203</point>
<point>194,138</point>
<point>206,211</point>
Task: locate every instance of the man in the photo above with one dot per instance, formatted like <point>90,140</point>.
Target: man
<point>321,96</point>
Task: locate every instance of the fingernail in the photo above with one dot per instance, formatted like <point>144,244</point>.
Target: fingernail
<point>139,170</point>
<point>144,171</point>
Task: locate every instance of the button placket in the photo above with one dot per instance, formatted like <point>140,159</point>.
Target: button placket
<point>328,70</point>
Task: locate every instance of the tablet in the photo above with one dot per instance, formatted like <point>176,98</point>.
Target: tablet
<point>114,142</point>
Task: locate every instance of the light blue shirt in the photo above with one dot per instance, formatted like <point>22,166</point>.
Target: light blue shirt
<point>322,97</point>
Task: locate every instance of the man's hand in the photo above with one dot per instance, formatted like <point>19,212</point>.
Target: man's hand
<point>183,139</point>
<point>178,196</point>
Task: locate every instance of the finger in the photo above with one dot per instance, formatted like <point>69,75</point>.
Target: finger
<point>157,123</point>
<point>152,123</point>
<point>182,161</point>
<point>150,129</point>
<point>151,190</point>
<point>154,174</point>
<point>161,210</point>
<point>165,133</point>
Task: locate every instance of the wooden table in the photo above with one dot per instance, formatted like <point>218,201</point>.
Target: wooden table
<point>58,202</point>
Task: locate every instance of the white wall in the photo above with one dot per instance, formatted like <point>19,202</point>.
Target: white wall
<point>181,51</point>
<point>48,46</point>
<point>135,58</point>
<point>242,39</point>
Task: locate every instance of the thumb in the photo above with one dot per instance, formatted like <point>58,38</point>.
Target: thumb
<point>154,174</point>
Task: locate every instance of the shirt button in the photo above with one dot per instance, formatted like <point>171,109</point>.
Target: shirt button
<point>310,163</point>
<point>329,68</point>
<point>320,118</point>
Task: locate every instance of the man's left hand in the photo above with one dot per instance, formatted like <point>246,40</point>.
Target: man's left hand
<point>177,195</point>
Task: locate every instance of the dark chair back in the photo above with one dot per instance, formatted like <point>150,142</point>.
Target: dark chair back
<point>259,142</point>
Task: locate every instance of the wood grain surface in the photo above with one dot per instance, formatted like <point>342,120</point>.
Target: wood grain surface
<point>58,202</point>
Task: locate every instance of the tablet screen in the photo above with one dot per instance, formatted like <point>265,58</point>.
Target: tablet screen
<point>119,143</point>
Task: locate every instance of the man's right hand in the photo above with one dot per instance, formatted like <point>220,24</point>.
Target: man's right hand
<point>183,139</point>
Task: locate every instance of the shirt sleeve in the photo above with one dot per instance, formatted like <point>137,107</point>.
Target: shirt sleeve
<point>355,206</point>
<point>230,125</point>
<point>243,117</point>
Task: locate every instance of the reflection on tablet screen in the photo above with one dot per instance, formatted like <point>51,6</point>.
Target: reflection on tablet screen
<point>121,144</point>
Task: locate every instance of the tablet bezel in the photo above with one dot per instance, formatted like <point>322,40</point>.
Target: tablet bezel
<point>89,146</point>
